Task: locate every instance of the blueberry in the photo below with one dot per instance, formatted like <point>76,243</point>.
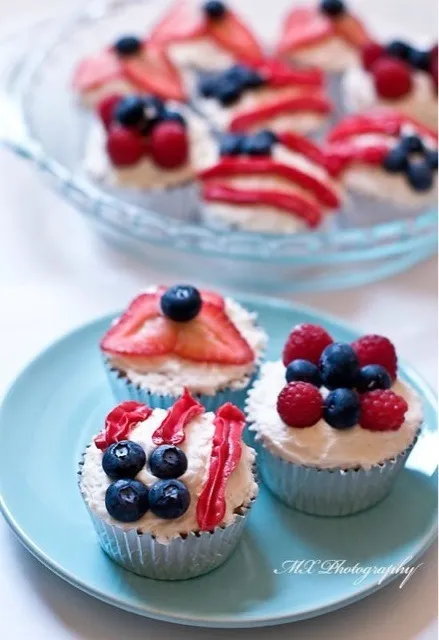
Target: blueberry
<point>167,461</point>
<point>127,500</point>
<point>127,46</point>
<point>342,408</point>
<point>303,371</point>
<point>181,303</point>
<point>371,377</point>
<point>169,499</point>
<point>412,144</point>
<point>245,76</point>
<point>174,116</point>
<point>396,160</point>
<point>420,59</point>
<point>227,91</point>
<point>259,144</point>
<point>214,9</point>
<point>130,111</point>
<point>399,49</point>
<point>420,175</point>
<point>123,459</point>
<point>332,7</point>
<point>338,366</point>
<point>231,144</point>
<point>207,86</point>
<point>431,157</point>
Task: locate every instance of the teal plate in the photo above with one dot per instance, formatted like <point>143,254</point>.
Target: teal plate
<point>59,402</point>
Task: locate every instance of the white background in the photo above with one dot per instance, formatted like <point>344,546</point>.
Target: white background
<point>55,274</point>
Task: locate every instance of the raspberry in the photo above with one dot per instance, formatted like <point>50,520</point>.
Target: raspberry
<point>434,66</point>
<point>305,342</point>
<point>374,349</point>
<point>169,144</point>
<point>124,146</point>
<point>382,410</point>
<point>370,53</point>
<point>393,78</point>
<point>300,404</point>
<point>106,109</point>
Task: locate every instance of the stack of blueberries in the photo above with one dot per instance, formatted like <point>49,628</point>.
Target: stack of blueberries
<point>412,158</point>
<point>227,87</point>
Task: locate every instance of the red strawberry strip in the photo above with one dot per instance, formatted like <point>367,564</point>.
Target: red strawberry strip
<point>300,144</point>
<point>342,154</point>
<point>226,453</point>
<point>280,74</point>
<point>294,204</point>
<point>380,121</point>
<point>120,422</point>
<point>171,431</point>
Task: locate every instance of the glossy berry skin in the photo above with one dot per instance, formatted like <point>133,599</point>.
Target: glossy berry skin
<point>127,46</point>
<point>129,111</point>
<point>375,349</point>
<point>214,10</point>
<point>106,109</point>
<point>228,91</point>
<point>342,408</point>
<point>382,410</point>
<point>392,78</point>
<point>300,405</point>
<point>174,116</point>
<point>432,158</point>
<point>420,59</point>
<point>153,112</point>
<point>245,76</point>
<point>396,160</point>
<point>231,144</point>
<point>124,146</point>
<point>412,144</point>
<point>258,144</point>
<point>127,500</point>
<point>420,175</point>
<point>338,366</point>
<point>169,499</point>
<point>169,145</point>
<point>307,342</point>
<point>332,8</point>
<point>371,377</point>
<point>167,461</point>
<point>181,303</point>
<point>399,49</point>
<point>123,459</point>
<point>370,53</point>
<point>303,371</point>
<point>207,86</point>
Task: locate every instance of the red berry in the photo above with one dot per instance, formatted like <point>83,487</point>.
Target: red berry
<point>300,404</point>
<point>382,410</point>
<point>393,78</point>
<point>306,342</point>
<point>106,107</point>
<point>374,349</point>
<point>169,144</point>
<point>124,146</point>
<point>370,53</point>
<point>434,66</point>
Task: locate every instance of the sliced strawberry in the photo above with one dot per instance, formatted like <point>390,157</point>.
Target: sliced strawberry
<point>303,27</point>
<point>212,337</point>
<point>153,72</point>
<point>233,35</point>
<point>280,74</point>
<point>210,297</point>
<point>300,144</point>
<point>352,30</point>
<point>340,155</point>
<point>183,21</point>
<point>357,125</point>
<point>95,71</point>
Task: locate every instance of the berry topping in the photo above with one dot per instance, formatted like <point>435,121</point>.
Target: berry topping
<point>259,144</point>
<point>127,500</point>
<point>303,371</point>
<point>123,459</point>
<point>228,91</point>
<point>393,78</point>
<point>169,145</point>
<point>305,342</point>
<point>332,8</point>
<point>120,421</point>
<point>432,158</point>
<point>382,410</point>
<point>183,21</point>
<point>434,67</point>
<point>169,499</point>
<point>246,76</point>
<point>370,53</point>
<point>207,86</point>
<point>231,144</point>
<point>234,36</point>
<point>412,144</point>
<point>174,116</point>
<point>153,112</point>
<point>396,160</point>
<point>374,349</point>
<point>124,146</point>
<point>300,404</point>
<point>127,46</point>
<point>153,72</point>
<point>95,71</point>
<point>342,408</point>
<point>371,377</point>
<point>338,366</point>
<point>167,462</point>
<point>214,9</point>
<point>420,60</point>
<point>130,111</point>
<point>304,26</point>
<point>420,175</point>
<point>182,412</point>
<point>107,107</point>
<point>181,303</point>
<point>399,49</point>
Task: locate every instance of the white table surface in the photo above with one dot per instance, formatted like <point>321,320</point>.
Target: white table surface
<point>55,274</point>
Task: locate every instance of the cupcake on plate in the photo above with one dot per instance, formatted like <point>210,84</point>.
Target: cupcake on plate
<point>269,95</point>
<point>399,76</point>
<point>270,183</point>
<point>171,339</point>
<point>332,423</point>
<point>149,482</point>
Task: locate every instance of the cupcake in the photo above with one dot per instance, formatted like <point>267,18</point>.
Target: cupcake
<point>387,160</point>
<point>398,76</point>
<point>271,183</point>
<point>269,95</point>
<point>332,423</point>
<point>150,484</point>
<point>171,339</point>
<point>205,35</point>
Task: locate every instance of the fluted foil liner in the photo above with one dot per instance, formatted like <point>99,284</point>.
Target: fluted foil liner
<point>328,492</point>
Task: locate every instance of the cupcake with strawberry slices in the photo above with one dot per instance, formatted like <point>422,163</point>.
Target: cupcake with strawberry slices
<point>270,183</point>
<point>332,422</point>
<point>171,339</point>
<point>169,492</point>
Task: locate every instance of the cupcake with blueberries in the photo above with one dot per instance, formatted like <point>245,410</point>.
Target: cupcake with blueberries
<point>149,482</point>
<point>169,339</point>
<point>333,423</point>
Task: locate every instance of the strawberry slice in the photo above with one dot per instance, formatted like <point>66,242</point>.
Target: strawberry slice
<point>341,155</point>
<point>389,125</point>
<point>351,30</point>
<point>300,144</point>
<point>95,71</point>
<point>210,297</point>
<point>153,72</point>
<point>183,21</point>
<point>232,34</point>
<point>303,27</point>
<point>280,74</point>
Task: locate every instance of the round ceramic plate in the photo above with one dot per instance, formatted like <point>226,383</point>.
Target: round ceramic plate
<point>59,402</point>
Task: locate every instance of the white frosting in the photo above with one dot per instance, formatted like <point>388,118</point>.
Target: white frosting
<point>168,375</point>
<point>332,54</point>
<point>203,54</point>
<point>241,487</point>
<point>321,445</point>
<point>421,103</point>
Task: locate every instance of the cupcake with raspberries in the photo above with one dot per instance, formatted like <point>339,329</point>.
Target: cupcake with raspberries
<point>399,76</point>
<point>169,339</point>
<point>332,422</point>
<point>150,483</point>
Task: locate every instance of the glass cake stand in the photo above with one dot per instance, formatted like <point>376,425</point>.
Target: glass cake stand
<point>42,122</point>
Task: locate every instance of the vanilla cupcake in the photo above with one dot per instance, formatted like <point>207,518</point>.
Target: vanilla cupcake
<point>171,339</point>
<point>332,423</point>
<point>149,484</point>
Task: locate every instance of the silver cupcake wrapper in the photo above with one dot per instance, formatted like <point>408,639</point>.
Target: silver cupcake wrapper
<point>328,492</point>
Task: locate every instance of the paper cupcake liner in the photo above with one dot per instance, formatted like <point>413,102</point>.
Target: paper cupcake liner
<point>328,492</point>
